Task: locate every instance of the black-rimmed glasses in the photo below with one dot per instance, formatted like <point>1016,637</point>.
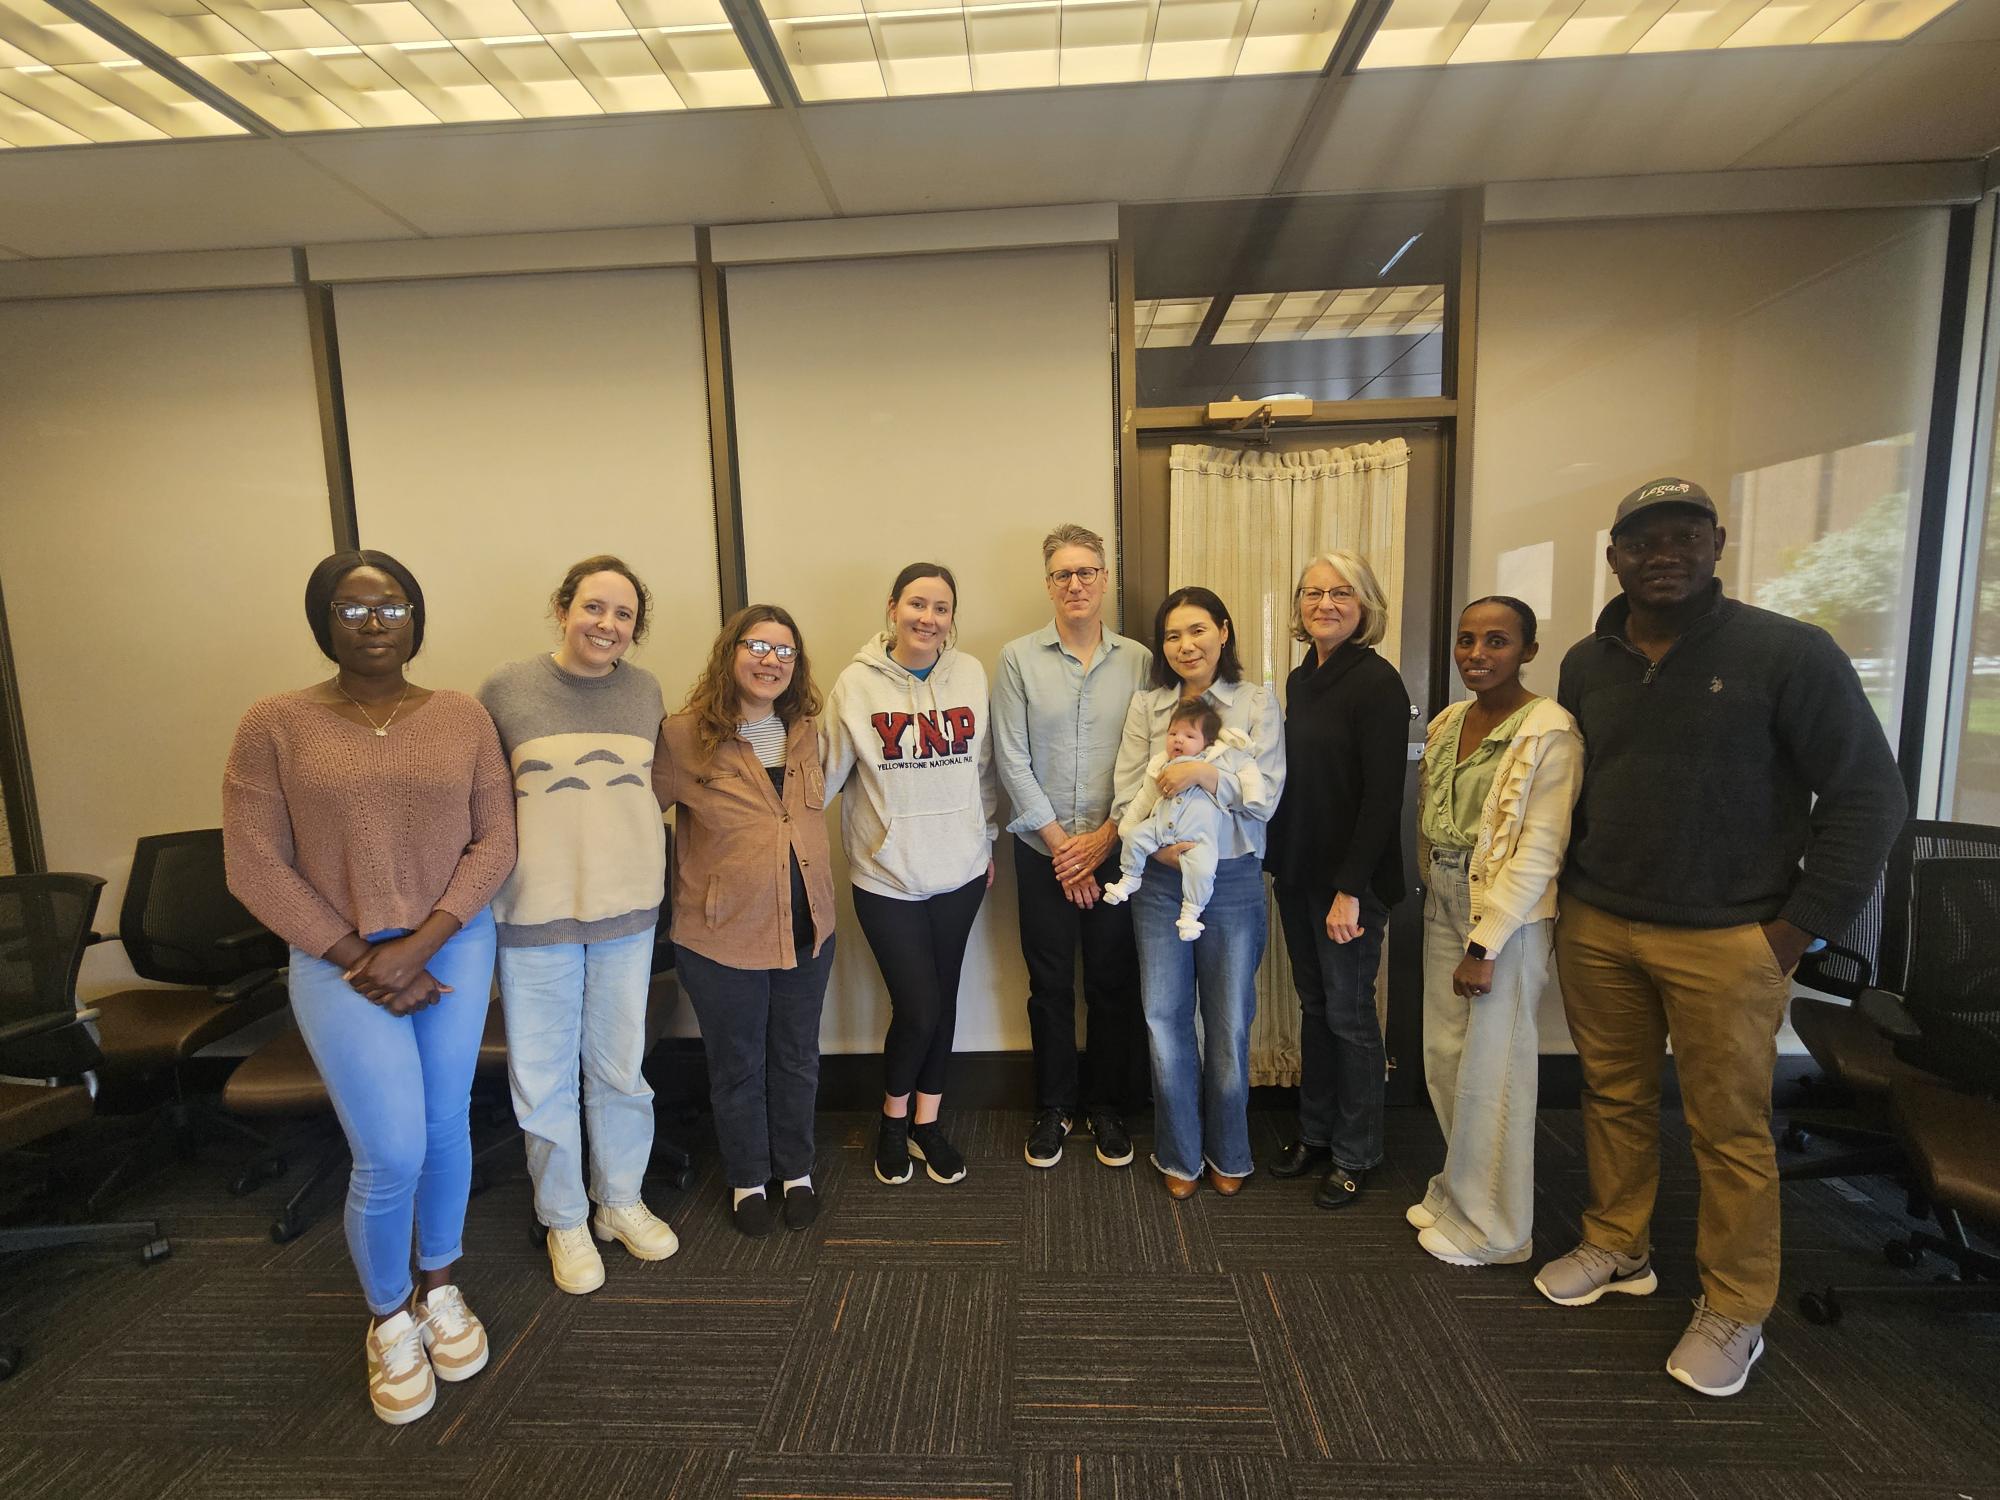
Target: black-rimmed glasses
<point>1085,576</point>
<point>388,616</point>
<point>1312,597</point>
<point>762,649</point>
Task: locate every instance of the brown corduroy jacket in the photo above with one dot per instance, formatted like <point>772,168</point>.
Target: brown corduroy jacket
<point>733,841</point>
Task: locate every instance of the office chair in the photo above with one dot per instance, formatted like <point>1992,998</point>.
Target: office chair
<point>44,927</point>
<point>179,925</point>
<point>1946,1026</point>
<point>1859,1062</point>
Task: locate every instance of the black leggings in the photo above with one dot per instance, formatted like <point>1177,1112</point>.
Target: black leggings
<point>920,948</point>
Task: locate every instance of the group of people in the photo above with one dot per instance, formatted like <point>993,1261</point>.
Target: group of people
<point>1707,791</point>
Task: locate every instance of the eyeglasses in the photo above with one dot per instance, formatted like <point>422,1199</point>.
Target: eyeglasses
<point>388,616</point>
<point>1688,539</point>
<point>1085,576</point>
<point>1341,595</point>
<point>762,649</point>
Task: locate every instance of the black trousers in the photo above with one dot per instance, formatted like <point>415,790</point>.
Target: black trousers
<point>760,1029</point>
<point>920,948</point>
<point>1118,1077</point>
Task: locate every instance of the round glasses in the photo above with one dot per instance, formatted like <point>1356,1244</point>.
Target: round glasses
<point>388,616</point>
<point>762,649</point>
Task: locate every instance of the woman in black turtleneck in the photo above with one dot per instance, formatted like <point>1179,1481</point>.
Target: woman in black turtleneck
<point>1336,860</point>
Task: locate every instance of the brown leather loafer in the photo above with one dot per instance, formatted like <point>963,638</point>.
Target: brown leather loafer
<point>1228,1186</point>
<point>1179,1187</point>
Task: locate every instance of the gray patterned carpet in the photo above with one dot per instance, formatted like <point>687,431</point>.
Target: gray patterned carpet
<point>1060,1335</point>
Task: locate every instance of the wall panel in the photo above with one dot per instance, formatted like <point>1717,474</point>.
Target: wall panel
<point>164,499</point>
<point>948,408</point>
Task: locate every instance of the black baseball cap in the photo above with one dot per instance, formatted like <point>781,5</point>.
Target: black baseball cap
<point>1657,492</point>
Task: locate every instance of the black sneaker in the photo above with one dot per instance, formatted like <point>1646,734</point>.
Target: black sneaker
<point>1114,1146</point>
<point>1045,1140</point>
<point>892,1152</point>
<point>754,1216</point>
<point>940,1157</point>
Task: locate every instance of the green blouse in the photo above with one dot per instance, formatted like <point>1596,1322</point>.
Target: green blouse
<point>1455,790</point>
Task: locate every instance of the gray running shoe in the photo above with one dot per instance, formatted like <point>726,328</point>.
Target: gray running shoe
<point>1714,1356</point>
<point>1587,1273</point>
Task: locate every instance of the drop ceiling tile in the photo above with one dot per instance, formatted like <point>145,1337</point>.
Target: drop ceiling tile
<point>1207,139</point>
<point>689,168</point>
<point>176,195</point>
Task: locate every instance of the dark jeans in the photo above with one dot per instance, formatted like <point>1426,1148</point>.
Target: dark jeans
<point>1341,1064</point>
<point>920,948</point>
<point>760,1029</point>
<point>1052,928</point>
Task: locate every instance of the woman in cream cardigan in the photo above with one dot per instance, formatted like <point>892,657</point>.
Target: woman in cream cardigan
<point>1501,773</point>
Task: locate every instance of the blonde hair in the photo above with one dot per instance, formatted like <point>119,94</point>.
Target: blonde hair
<point>1353,567</point>
<point>1069,534</point>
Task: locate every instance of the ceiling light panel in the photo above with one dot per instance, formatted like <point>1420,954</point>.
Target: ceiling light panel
<point>1438,33</point>
<point>348,64</point>
<point>1168,322</point>
<point>63,85</point>
<point>1342,313</point>
<point>873,49</point>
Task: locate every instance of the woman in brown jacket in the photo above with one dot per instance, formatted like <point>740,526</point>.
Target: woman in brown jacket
<point>753,901</point>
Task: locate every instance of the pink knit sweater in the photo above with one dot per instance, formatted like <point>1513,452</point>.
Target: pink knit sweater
<point>329,829</point>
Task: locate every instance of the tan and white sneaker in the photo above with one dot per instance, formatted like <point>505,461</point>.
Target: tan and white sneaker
<point>577,1265</point>
<point>634,1226</point>
<point>453,1337</point>
<point>400,1385</point>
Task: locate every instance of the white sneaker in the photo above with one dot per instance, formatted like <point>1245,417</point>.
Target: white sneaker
<point>400,1385</point>
<point>1419,1217</point>
<point>453,1337</point>
<point>634,1226</point>
<point>1433,1241</point>
<point>577,1265</point>
<point>1120,891</point>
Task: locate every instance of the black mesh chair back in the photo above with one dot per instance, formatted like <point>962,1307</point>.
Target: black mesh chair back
<point>44,928</point>
<point>178,908</point>
<point>1850,961</point>
<point>1922,841</point>
<point>1953,989</point>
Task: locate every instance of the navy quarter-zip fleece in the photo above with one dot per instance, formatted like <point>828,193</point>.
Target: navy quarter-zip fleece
<point>1713,775</point>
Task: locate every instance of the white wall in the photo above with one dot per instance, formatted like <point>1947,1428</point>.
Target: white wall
<point>164,499</point>
<point>948,408</point>
<point>502,428</point>
<point>1783,361</point>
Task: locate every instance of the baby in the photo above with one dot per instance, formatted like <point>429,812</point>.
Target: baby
<point>1193,817</point>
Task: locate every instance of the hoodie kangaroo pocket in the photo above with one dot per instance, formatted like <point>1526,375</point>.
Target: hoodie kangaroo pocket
<point>928,852</point>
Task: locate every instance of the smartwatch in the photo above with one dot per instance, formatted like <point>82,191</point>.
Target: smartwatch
<point>1475,950</point>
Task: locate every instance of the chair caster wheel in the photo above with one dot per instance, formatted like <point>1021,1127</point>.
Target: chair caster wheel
<point>155,1252</point>
<point>683,1179</point>
<point>285,1229</point>
<point>1820,1307</point>
<point>1795,1140</point>
<point>1901,1255</point>
<point>256,1175</point>
<point>10,1360</point>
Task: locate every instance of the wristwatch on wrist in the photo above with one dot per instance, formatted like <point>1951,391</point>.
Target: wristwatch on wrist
<point>1475,950</point>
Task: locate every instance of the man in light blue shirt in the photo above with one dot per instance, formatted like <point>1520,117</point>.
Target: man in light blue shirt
<point>1058,709</point>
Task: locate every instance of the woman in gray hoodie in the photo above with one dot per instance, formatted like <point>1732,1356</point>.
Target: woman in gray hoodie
<point>906,740</point>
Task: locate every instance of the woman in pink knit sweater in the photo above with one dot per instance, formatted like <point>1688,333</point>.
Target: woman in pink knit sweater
<point>368,822</point>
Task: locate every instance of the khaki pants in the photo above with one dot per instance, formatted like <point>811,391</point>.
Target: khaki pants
<point>1718,992</point>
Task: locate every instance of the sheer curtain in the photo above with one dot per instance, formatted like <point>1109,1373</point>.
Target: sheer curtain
<point>1243,522</point>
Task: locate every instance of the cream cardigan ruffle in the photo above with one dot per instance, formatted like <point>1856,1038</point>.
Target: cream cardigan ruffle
<point>1524,826</point>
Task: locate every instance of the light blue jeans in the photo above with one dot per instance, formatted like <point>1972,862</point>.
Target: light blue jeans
<point>1480,1064</point>
<point>1201,1092</point>
<point>402,1087</point>
<point>580,1007</point>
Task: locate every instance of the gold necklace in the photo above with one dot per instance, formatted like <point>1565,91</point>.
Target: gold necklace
<point>382,729</point>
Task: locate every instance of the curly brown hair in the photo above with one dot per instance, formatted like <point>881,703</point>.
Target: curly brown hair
<point>712,699</point>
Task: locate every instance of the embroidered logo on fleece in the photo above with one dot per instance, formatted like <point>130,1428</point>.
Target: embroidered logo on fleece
<point>1715,684</point>
<point>930,736</point>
